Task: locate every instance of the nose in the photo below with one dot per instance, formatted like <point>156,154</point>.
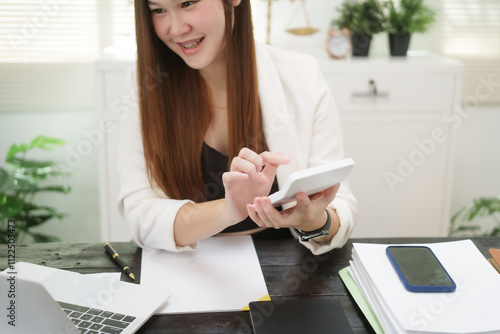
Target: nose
<point>179,26</point>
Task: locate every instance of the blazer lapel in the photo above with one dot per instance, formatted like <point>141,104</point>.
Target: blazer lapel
<point>278,119</point>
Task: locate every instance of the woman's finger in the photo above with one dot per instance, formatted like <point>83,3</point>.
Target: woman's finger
<point>230,177</point>
<point>274,158</point>
<point>269,214</point>
<point>272,162</point>
<point>254,216</point>
<point>250,156</point>
<point>303,201</point>
<point>241,165</point>
<point>331,192</point>
<point>326,195</point>
<point>262,213</point>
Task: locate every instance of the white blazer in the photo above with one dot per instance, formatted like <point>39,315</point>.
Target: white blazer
<point>299,119</point>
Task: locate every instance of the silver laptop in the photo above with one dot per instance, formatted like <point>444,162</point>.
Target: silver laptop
<point>38,299</point>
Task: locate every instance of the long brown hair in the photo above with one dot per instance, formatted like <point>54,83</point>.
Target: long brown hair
<point>174,108</point>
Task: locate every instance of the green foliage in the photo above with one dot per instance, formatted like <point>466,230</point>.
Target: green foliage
<point>462,221</point>
<point>18,186</point>
<point>409,16</point>
<point>360,17</point>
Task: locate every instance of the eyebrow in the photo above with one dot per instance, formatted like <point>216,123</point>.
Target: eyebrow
<point>152,3</point>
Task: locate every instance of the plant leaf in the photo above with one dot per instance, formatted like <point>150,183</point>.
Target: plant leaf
<point>411,16</point>
<point>46,143</point>
<point>4,178</point>
<point>24,183</point>
<point>39,237</point>
<point>42,142</point>
<point>16,163</point>
<point>35,220</point>
<point>11,206</point>
<point>365,17</point>
<point>15,149</point>
<point>495,232</point>
<point>457,215</point>
<point>468,228</point>
<point>33,209</point>
<point>41,172</point>
<point>59,189</point>
<point>480,207</point>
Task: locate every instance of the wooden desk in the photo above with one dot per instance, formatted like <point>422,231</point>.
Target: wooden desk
<point>289,269</point>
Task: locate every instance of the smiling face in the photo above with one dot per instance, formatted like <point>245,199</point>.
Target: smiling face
<point>194,30</point>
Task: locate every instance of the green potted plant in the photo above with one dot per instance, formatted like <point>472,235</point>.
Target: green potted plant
<point>19,183</point>
<point>463,222</point>
<point>405,18</point>
<point>363,19</point>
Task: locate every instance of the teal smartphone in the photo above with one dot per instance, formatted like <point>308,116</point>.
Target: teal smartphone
<point>419,269</point>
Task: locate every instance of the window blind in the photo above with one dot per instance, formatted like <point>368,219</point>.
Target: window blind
<point>51,30</point>
<point>123,23</point>
<point>470,32</point>
<point>48,49</point>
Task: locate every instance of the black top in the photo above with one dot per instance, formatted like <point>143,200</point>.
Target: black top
<point>213,165</point>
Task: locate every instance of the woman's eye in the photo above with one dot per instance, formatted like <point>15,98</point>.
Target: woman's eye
<point>186,4</point>
<point>157,11</point>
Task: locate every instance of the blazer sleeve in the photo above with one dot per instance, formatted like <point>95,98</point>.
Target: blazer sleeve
<point>149,213</point>
<point>327,145</point>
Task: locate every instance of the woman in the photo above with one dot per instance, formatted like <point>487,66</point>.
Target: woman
<point>210,98</point>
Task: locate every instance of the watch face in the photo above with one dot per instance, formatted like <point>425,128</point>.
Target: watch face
<point>339,46</point>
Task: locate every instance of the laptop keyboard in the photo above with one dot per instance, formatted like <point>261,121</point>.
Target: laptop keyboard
<point>95,321</point>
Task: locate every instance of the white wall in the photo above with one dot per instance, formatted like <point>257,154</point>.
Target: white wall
<point>477,167</point>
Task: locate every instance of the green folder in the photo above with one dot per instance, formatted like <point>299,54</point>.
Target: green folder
<point>360,300</point>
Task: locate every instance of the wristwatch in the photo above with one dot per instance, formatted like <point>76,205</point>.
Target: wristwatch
<point>306,236</point>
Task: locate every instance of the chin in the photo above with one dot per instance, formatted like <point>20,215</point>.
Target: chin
<point>195,65</point>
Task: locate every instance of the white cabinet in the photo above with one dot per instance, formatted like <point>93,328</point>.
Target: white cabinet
<point>397,121</point>
<point>112,104</point>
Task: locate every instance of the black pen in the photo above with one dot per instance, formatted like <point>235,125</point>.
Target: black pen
<point>118,260</point>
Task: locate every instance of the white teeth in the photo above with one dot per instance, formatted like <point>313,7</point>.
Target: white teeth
<point>191,44</point>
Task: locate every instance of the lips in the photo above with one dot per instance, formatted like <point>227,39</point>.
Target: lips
<point>192,43</point>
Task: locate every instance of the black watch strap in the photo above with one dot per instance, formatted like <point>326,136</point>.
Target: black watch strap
<point>306,236</point>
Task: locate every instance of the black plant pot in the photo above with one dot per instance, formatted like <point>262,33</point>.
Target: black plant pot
<point>360,44</point>
<point>399,43</point>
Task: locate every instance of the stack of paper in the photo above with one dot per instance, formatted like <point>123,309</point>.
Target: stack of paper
<point>472,308</point>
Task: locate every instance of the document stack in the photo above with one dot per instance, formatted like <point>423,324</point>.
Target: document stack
<point>472,308</point>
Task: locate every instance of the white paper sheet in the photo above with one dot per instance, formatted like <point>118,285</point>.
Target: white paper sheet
<point>362,279</point>
<point>222,274</point>
<point>472,308</point>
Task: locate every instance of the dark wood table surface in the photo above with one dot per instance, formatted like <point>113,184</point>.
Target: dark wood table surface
<point>290,271</point>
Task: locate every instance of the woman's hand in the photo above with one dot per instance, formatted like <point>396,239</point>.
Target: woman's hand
<point>308,215</point>
<point>251,175</point>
